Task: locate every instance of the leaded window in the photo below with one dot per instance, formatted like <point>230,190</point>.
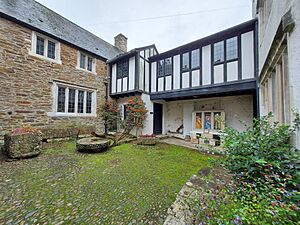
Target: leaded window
<point>82,61</point>
<point>71,103</point>
<point>40,45</point>
<point>186,61</point>
<point>161,68</point>
<point>90,64</point>
<point>195,58</point>
<point>61,98</point>
<point>80,101</point>
<point>231,48</point>
<point>219,52</point>
<point>122,69</point>
<point>89,102</point>
<point>51,50</point>
<point>168,66</point>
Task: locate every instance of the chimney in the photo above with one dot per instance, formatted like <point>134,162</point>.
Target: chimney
<point>121,42</point>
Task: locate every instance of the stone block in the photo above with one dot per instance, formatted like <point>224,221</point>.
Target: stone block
<point>26,145</point>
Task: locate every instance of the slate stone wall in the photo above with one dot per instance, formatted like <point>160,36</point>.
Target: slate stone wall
<point>26,81</point>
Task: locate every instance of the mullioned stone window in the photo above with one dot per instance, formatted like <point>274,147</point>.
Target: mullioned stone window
<point>45,47</point>
<point>72,100</point>
<point>86,62</point>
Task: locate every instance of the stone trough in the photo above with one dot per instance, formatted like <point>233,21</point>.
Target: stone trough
<point>92,145</point>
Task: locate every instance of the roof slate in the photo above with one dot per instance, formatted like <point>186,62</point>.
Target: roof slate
<point>40,17</point>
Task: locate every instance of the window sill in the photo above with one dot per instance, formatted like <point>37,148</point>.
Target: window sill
<point>58,114</point>
<point>87,71</point>
<point>45,58</point>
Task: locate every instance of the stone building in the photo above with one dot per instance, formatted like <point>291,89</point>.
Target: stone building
<point>279,58</point>
<point>52,72</point>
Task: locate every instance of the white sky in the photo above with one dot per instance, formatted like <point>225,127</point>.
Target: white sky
<point>167,23</point>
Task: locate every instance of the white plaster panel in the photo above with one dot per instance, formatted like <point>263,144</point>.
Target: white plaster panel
<point>131,73</point>
<point>219,74</point>
<point>176,72</point>
<point>119,85</point>
<point>186,80</point>
<point>125,79</point>
<point>174,116</point>
<point>188,108</point>
<point>161,84</point>
<point>148,123</point>
<point>206,65</point>
<point>195,78</point>
<point>168,83</point>
<point>247,55</point>
<point>147,68</point>
<point>153,77</point>
<point>113,78</point>
<point>232,71</point>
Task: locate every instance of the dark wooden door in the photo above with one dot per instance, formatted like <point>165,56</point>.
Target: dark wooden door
<point>157,123</point>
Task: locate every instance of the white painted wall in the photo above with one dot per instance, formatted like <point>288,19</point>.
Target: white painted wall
<point>119,85</point>
<point>147,74</point>
<point>188,108</point>
<point>125,79</point>
<point>160,84</point>
<point>153,77</point>
<point>113,78</point>
<point>247,40</point>
<point>219,74</point>
<point>206,65</point>
<point>176,72</point>
<point>131,73</point>
<point>232,71</point>
<point>173,116</point>
<point>195,78</point>
<point>186,80</point>
<point>168,83</point>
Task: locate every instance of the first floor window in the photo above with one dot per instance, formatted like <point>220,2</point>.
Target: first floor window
<point>86,62</point>
<point>161,68</point>
<point>44,46</point>
<point>40,45</point>
<point>168,66</point>
<point>195,58</point>
<point>231,48</point>
<point>123,69</point>
<point>219,52</point>
<point>72,100</point>
<point>186,61</point>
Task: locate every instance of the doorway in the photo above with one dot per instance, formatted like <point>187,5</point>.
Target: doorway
<point>157,117</point>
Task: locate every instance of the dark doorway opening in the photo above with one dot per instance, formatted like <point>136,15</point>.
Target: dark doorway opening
<point>157,117</point>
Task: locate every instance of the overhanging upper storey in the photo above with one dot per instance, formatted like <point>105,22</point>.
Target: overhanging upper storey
<point>224,63</point>
<point>130,72</point>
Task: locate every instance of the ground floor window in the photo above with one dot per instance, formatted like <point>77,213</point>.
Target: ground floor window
<point>208,120</point>
<point>72,100</point>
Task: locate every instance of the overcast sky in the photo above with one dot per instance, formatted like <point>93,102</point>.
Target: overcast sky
<point>167,23</point>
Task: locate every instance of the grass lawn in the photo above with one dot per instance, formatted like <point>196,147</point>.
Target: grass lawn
<point>127,184</point>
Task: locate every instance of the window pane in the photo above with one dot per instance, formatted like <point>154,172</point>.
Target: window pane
<point>185,61</point>
<point>89,102</point>
<point>61,99</point>
<point>219,52</point>
<point>80,101</point>
<point>217,121</point>
<point>122,69</point>
<point>168,66</point>
<point>199,120</point>
<point>207,121</point>
<point>82,61</point>
<point>195,58</point>
<point>40,42</point>
<point>71,105</point>
<point>90,64</point>
<point>161,67</point>
<point>51,50</point>
<point>231,48</point>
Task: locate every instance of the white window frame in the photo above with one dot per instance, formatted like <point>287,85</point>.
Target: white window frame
<point>46,39</point>
<point>77,88</point>
<point>86,62</point>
